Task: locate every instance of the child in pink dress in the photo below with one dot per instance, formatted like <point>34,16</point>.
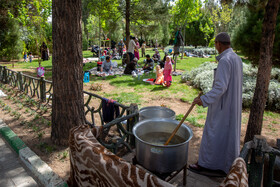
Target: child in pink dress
<point>136,50</point>
<point>167,72</point>
<point>40,71</point>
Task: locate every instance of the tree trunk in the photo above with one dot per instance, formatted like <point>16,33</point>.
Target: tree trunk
<point>264,70</point>
<point>127,22</point>
<point>99,52</point>
<point>67,72</point>
<point>184,36</point>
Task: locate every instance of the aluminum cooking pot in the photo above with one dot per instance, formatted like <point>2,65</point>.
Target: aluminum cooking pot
<point>156,112</point>
<point>160,158</point>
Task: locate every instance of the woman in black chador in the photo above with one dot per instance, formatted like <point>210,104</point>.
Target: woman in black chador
<point>44,51</point>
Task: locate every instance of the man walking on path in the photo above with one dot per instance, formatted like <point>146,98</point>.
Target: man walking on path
<point>220,143</point>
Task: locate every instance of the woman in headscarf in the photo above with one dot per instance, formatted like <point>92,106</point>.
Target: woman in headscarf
<point>136,51</point>
<point>167,72</point>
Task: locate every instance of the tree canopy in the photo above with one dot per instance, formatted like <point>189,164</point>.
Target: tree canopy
<point>25,26</point>
<point>247,35</point>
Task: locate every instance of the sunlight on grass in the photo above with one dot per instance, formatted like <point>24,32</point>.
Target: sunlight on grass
<point>87,54</point>
<point>125,97</point>
<point>201,116</point>
<point>200,109</point>
<point>273,115</point>
<point>33,64</point>
<point>191,119</point>
<point>189,63</point>
<point>133,89</point>
<point>89,66</point>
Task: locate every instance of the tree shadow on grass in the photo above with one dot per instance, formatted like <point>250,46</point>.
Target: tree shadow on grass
<point>159,88</point>
<point>30,73</point>
<point>130,82</point>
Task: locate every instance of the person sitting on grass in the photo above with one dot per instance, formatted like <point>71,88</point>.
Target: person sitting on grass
<point>130,67</point>
<point>149,64</point>
<point>40,71</point>
<point>159,73</point>
<point>106,66</point>
<point>156,56</point>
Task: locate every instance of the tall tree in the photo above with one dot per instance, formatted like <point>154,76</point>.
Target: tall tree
<point>184,12</point>
<point>151,24</point>
<point>103,14</point>
<point>127,21</point>
<point>247,33</point>
<point>67,71</point>
<point>264,70</point>
<point>200,31</point>
<point>28,20</point>
<point>10,45</point>
<point>221,17</point>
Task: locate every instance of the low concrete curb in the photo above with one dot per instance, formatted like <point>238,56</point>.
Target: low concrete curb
<point>38,167</point>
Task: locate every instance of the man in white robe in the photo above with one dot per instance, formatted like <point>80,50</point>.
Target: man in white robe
<point>220,143</point>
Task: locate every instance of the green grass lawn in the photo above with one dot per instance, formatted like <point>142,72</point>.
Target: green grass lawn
<point>182,91</point>
<point>133,90</point>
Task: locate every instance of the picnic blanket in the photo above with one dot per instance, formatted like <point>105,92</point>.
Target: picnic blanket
<point>87,60</point>
<point>115,71</point>
<point>2,94</point>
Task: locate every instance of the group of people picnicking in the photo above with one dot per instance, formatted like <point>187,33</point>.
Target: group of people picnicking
<point>163,67</point>
<point>220,143</point>
<point>221,137</point>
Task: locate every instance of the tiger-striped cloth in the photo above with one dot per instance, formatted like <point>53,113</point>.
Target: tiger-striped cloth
<point>237,176</point>
<point>93,165</point>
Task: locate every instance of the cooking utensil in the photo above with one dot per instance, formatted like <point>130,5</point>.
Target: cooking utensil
<point>181,122</point>
<point>152,154</point>
<point>156,112</point>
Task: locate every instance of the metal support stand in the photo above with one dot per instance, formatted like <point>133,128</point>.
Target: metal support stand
<point>166,176</point>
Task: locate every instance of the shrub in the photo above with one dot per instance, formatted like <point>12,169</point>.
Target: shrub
<point>202,77</point>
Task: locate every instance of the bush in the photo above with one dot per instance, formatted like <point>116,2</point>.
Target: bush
<point>202,77</point>
<point>11,46</point>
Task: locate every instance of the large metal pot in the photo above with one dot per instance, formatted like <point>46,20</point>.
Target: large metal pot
<point>160,158</point>
<point>156,112</point>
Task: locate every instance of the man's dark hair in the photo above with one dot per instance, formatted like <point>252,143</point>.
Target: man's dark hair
<point>148,56</point>
<point>107,57</point>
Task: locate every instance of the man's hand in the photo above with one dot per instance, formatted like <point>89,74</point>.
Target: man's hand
<point>197,101</point>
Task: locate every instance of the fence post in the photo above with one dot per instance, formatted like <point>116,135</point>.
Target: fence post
<point>257,161</point>
<point>42,89</point>
<point>133,108</point>
<point>1,73</point>
<point>5,75</point>
<point>19,74</point>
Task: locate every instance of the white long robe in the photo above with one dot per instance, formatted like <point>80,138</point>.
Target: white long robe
<point>220,143</point>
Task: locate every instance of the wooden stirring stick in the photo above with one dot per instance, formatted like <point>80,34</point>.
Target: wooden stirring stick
<point>181,122</point>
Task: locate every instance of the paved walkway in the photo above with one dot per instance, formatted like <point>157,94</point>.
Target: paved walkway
<point>196,180</point>
<point>11,171</point>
